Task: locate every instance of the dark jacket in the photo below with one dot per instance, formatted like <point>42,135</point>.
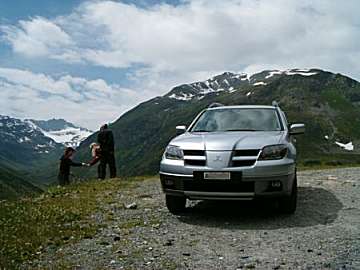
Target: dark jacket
<point>106,140</point>
<point>65,164</point>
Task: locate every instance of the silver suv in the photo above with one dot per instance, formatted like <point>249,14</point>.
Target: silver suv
<point>232,153</point>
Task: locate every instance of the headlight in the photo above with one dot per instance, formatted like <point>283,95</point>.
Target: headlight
<point>174,152</point>
<point>272,152</point>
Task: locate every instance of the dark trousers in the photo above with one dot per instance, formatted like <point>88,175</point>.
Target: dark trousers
<point>64,179</point>
<point>107,158</point>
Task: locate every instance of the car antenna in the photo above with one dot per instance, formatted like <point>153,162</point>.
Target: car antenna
<point>215,104</point>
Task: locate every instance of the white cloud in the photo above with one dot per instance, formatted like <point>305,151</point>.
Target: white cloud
<point>187,42</point>
<point>37,37</point>
<point>86,102</point>
<point>199,36</point>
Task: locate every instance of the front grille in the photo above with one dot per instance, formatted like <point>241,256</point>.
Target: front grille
<point>194,152</point>
<point>243,163</point>
<point>244,158</point>
<point>246,152</point>
<point>192,162</point>
<point>219,186</point>
<point>195,158</point>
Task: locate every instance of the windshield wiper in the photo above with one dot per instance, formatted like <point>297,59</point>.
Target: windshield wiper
<point>201,130</point>
<point>243,129</point>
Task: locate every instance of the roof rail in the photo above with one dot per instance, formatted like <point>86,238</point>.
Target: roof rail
<point>275,103</point>
<point>215,104</point>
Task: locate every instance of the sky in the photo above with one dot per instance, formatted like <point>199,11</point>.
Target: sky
<point>90,61</point>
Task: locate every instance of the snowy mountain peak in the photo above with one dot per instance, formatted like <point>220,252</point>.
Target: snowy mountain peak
<point>62,131</point>
<point>231,82</point>
<point>15,133</point>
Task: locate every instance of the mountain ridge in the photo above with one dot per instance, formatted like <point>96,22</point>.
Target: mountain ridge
<point>28,153</point>
<point>326,102</point>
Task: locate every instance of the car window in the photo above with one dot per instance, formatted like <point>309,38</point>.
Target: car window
<point>238,119</point>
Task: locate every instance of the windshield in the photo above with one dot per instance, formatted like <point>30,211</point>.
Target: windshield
<point>237,119</point>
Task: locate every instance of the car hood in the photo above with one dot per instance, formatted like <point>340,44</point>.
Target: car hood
<point>227,141</point>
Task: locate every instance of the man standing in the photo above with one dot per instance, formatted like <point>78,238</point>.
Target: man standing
<point>106,140</point>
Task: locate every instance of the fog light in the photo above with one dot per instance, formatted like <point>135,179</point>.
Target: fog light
<point>276,184</point>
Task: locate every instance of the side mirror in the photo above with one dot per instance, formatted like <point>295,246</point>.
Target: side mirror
<point>180,130</point>
<point>296,129</point>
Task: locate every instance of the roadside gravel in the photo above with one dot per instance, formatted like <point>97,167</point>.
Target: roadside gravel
<point>324,233</point>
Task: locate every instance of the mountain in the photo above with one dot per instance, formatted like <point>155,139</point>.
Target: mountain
<point>62,131</point>
<point>24,143</point>
<point>32,148</point>
<point>328,103</point>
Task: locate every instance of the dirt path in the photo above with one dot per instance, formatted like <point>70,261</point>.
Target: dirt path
<point>323,234</point>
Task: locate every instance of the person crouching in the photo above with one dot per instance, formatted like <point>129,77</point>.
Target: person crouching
<point>96,156</point>
<point>65,164</point>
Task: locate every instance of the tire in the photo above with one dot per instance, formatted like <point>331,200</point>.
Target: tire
<point>288,204</point>
<point>175,204</point>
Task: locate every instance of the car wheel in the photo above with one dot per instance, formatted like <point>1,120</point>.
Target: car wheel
<point>288,204</point>
<point>175,204</point>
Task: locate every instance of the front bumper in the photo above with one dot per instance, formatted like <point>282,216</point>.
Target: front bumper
<point>238,187</point>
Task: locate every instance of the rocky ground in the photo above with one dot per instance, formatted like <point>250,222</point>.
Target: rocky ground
<point>324,233</point>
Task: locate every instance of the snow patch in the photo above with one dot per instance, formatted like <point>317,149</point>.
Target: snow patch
<point>68,136</point>
<point>300,73</point>
<point>274,72</point>
<point>303,72</point>
<point>259,83</point>
<point>183,96</point>
<point>348,146</point>
<point>248,94</point>
<point>231,89</point>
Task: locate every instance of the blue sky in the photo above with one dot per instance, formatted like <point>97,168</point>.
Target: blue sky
<point>90,61</point>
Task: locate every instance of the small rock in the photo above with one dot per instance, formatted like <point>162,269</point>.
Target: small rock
<point>131,206</point>
<point>221,258</point>
<point>112,262</point>
<point>276,267</point>
<point>117,238</point>
<point>169,242</point>
<point>310,250</point>
<point>186,254</point>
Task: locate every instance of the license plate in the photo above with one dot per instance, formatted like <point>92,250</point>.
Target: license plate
<point>217,175</point>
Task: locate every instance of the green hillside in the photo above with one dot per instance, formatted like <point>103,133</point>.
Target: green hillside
<point>329,105</point>
<point>14,183</point>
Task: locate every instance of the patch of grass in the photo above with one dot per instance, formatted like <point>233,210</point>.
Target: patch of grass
<point>57,217</point>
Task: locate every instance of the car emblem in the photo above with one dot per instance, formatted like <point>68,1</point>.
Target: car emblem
<point>218,158</point>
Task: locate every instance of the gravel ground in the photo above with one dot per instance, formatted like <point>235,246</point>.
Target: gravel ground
<point>324,233</point>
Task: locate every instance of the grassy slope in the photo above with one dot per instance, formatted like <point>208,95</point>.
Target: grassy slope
<point>14,182</point>
<point>57,217</point>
